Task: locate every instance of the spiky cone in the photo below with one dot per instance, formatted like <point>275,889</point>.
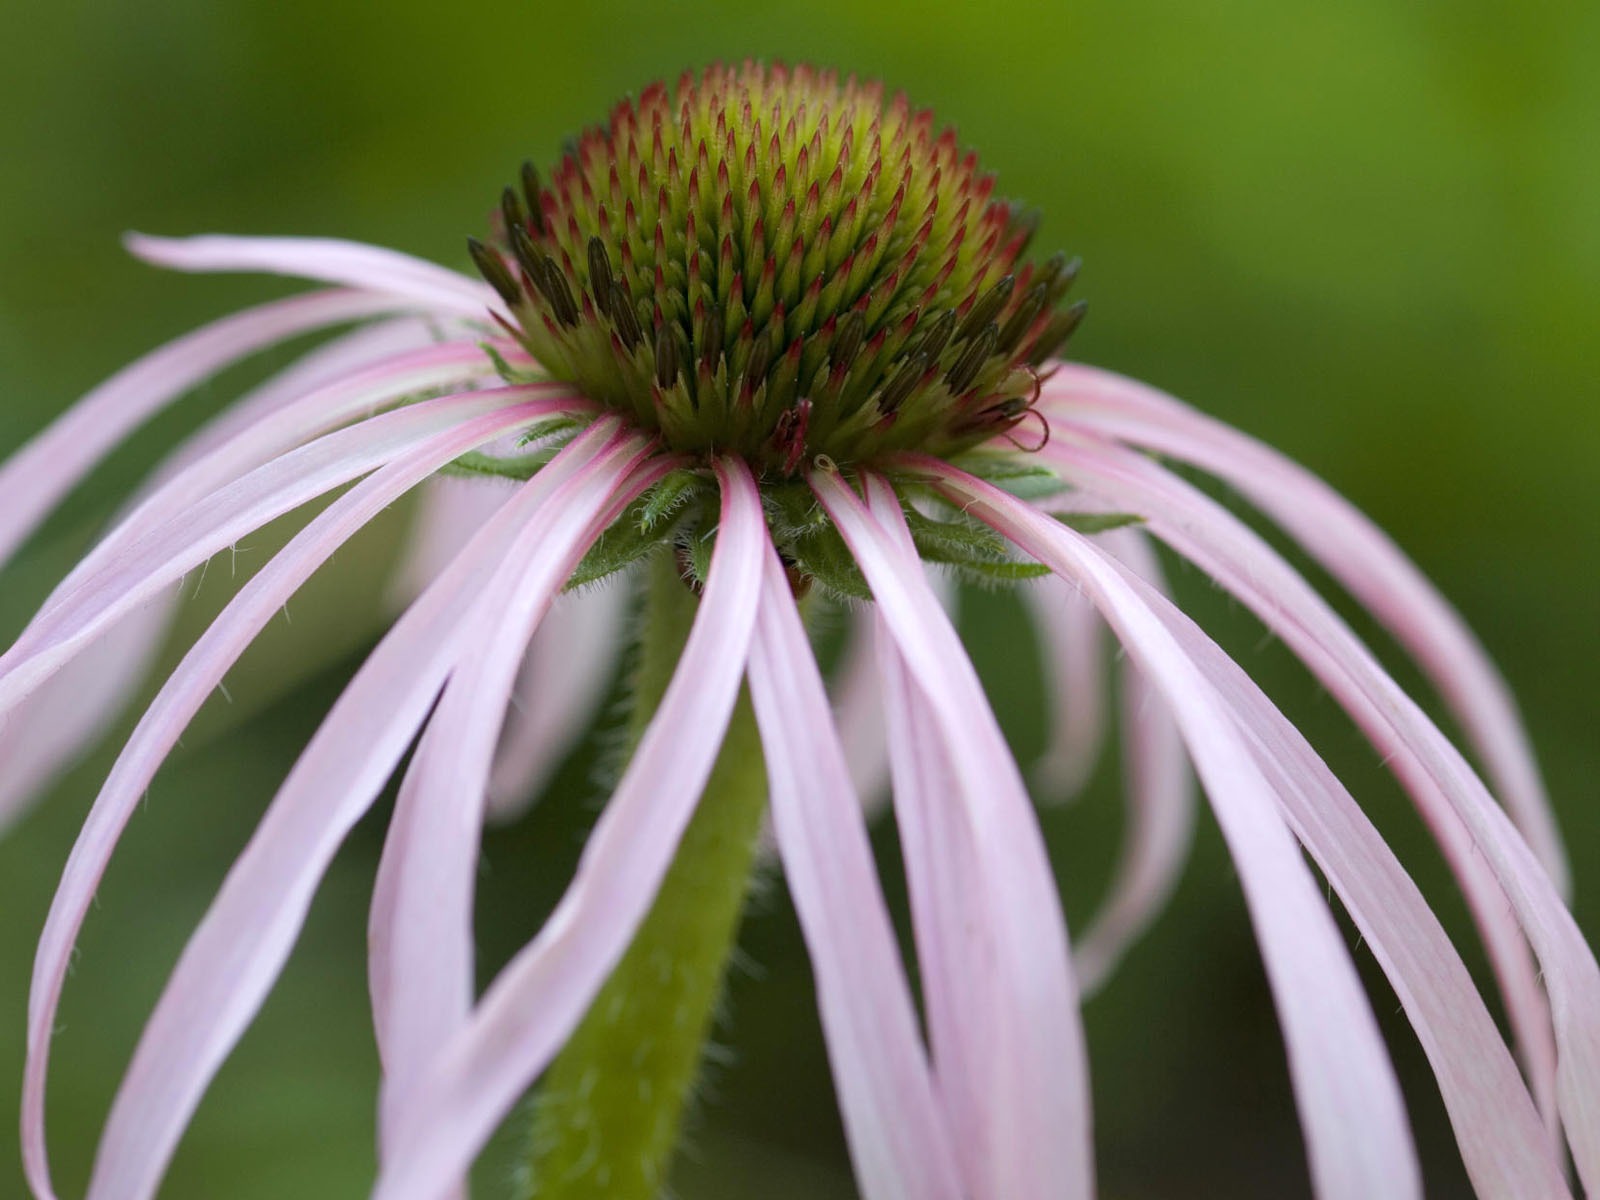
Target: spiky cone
<point>785,265</point>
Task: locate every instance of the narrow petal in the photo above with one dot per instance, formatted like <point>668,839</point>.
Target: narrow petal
<point>170,550</point>
<point>858,711</point>
<point>421,928</point>
<point>1160,803</point>
<point>213,459</point>
<point>543,993</point>
<point>565,677</point>
<point>899,1139</point>
<point>234,956</point>
<point>569,664</point>
<point>327,260</point>
<point>1351,1110</point>
<point>1356,553</point>
<point>360,349</point>
<point>1205,532</point>
<point>448,511</point>
<point>1503,1142</point>
<point>858,698</point>
<point>61,721</point>
<point>200,673</point>
<point>36,477</point>
<point>1027,1080</point>
<point>1075,680</point>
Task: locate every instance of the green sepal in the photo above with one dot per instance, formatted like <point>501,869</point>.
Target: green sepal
<point>822,554</point>
<point>1023,479</point>
<point>974,551</point>
<point>697,547</point>
<point>517,467</point>
<point>511,375</point>
<point>669,497</point>
<point>1091,523</point>
<point>553,432</point>
<point>624,543</point>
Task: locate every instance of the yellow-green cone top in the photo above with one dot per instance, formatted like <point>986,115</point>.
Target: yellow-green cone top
<point>779,263</point>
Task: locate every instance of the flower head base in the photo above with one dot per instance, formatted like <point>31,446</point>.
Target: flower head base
<point>774,262</point>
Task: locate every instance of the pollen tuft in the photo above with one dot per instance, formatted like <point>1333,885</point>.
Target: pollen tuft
<point>775,262</point>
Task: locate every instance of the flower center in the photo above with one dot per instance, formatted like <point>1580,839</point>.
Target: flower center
<point>773,262</point>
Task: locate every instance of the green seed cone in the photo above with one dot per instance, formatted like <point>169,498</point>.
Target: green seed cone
<point>778,263</point>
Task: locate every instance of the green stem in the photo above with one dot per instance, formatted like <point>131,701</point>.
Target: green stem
<point>607,1116</point>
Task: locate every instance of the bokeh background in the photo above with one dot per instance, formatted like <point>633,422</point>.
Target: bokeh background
<point>1368,232</point>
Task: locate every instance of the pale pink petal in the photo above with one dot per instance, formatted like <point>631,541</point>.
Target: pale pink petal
<point>1355,552</point>
<point>420,954</point>
<point>565,677</point>
<point>162,555</point>
<point>229,449</point>
<point>63,719</point>
<point>570,661</point>
<point>858,698</point>
<point>201,671</point>
<point>858,710</point>
<point>1503,1142</point>
<point>362,348</point>
<point>1350,1105</point>
<point>543,993</point>
<point>327,260</point>
<point>60,721</point>
<point>36,477</point>
<point>1160,804</point>
<point>1241,561</point>
<point>448,511</point>
<point>899,1139</point>
<point>959,947</point>
<point>1027,1080</point>
<point>1075,680</point>
<point>234,956</point>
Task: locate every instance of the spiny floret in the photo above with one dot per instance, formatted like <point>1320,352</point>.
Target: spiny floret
<point>783,264</point>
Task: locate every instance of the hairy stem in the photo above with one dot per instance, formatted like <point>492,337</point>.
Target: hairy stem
<point>608,1114</point>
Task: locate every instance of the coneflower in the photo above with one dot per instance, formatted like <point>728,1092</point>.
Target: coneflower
<point>767,340</point>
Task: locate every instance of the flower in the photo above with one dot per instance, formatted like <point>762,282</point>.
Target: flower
<point>778,326</point>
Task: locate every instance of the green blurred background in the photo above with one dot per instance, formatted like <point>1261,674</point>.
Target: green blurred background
<point>1368,232</point>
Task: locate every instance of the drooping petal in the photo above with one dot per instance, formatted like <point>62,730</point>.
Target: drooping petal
<point>570,661</point>
<point>543,993</point>
<point>1351,1110</point>
<point>165,553</point>
<point>200,673</point>
<point>1241,561</point>
<point>359,350</point>
<point>36,477</point>
<point>203,469</point>
<point>448,511</point>
<point>1075,679</point>
<point>1506,1148</point>
<point>1160,804</point>
<point>858,710</point>
<point>327,260</point>
<point>1025,1084</point>
<point>60,721</point>
<point>234,956</point>
<point>1355,552</point>
<point>858,699</point>
<point>421,934</point>
<point>899,1139</point>
<point>564,679</point>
